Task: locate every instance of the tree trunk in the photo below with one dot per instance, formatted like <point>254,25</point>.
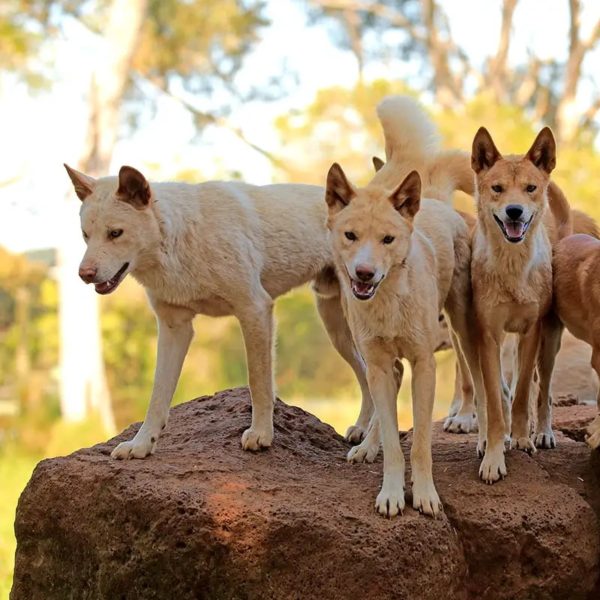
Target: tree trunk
<point>83,379</point>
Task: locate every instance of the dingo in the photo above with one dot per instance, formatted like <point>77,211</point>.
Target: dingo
<point>401,260</point>
<point>577,303</point>
<point>512,284</point>
<point>218,249</point>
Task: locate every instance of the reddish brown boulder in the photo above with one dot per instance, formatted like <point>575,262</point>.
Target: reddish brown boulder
<point>203,519</point>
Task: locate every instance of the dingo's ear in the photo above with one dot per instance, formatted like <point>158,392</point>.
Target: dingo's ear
<point>339,191</point>
<point>543,151</point>
<point>406,199</point>
<point>377,163</point>
<point>484,154</point>
<point>83,184</point>
<point>133,188</point>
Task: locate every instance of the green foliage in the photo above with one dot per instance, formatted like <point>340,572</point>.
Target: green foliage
<point>340,125</point>
<point>196,39</point>
<point>15,471</point>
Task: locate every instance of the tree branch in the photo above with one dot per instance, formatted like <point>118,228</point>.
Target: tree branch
<point>498,72</point>
<point>566,117</point>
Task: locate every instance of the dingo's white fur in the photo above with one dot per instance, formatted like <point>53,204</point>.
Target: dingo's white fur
<point>216,248</point>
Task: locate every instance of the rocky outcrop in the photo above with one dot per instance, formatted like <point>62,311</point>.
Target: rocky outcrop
<point>203,519</point>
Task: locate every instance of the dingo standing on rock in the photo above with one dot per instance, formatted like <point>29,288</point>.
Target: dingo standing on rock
<point>400,261</point>
<point>216,248</point>
<point>512,285</point>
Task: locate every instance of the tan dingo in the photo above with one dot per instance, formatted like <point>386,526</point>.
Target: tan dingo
<point>401,260</point>
<point>512,284</point>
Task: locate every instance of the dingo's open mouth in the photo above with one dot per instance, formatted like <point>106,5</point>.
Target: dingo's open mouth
<point>109,286</point>
<point>514,231</point>
<point>363,290</point>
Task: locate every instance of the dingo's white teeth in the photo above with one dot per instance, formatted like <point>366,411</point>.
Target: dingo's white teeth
<point>109,286</point>
<point>362,290</point>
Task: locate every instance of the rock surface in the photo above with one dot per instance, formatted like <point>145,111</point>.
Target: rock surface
<point>203,519</point>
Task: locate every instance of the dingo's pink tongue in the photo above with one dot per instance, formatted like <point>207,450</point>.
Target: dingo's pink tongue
<point>514,229</point>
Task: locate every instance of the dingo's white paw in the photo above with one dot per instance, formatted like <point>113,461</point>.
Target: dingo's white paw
<point>545,439</point>
<point>461,423</point>
<point>142,445</point>
<point>426,499</point>
<point>355,434</point>
<point>523,443</point>
<point>390,500</point>
<point>593,430</point>
<point>256,439</point>
<point>364,452</point>
<point>593,440</point>
<point>493,465</point>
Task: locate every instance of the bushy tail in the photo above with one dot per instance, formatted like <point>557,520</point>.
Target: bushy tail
<point>412,142</point>
<point>410,135</point>
<point>561,211</point>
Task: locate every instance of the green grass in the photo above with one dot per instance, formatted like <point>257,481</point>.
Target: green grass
<point>15,472</point>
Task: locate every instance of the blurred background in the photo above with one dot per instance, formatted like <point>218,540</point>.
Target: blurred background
<point>260,90</point>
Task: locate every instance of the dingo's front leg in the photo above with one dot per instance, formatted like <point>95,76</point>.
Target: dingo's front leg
<point>384,384</point>
<point>175,333</point>
<point>493,465</point>
<point>256,321</point>
<point>425,496</point>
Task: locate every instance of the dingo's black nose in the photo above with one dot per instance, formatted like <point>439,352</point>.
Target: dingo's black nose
<point>364,273</point>
<point>514,211</point>
<point>87,273</point>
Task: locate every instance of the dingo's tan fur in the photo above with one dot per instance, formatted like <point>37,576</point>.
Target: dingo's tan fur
<point>577,302</point>
<point>462,416</point>
<point>512,284</point>
<point>216,248</point>
<point>401,260</point>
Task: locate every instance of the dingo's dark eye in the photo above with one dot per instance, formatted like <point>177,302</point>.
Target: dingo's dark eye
<point>497,189</point>
<point>350,235</point>
<point>531,188</point>
<point>115,233</point>
<point>85,235</point>
<point>388,239</point>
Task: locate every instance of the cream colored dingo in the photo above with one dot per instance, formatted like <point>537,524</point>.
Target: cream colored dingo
<point>401,260</point>
<point>216,249</point>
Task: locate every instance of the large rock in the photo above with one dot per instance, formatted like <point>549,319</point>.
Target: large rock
<point>203,519</point>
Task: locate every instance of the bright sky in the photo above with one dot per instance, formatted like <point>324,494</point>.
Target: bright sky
<point>40,132</point>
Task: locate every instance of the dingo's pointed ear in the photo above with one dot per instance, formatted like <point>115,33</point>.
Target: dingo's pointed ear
<point>377,163</point>
<point>406,198</point>
<point>543,151</point>
<point>83,184</point>
<point>484,154</point>
<point>133,188</point>
<point>339,191</point>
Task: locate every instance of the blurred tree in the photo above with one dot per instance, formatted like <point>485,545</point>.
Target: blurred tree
<point>548,89</point>
<point>25,343</point>
<point>339,125</point>
<point>146,45</point>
